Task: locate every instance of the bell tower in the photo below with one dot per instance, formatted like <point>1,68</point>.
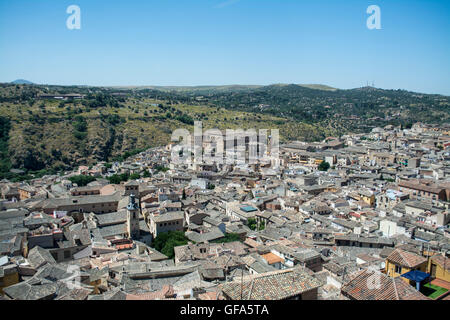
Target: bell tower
<point>133,218</point>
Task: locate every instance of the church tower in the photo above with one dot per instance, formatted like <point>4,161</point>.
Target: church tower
<point>133,218</point>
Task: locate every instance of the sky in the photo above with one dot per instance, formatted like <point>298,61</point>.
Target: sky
<point>220,42</point>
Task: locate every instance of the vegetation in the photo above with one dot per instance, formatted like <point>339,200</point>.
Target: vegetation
<point>166,242</point>
<point>253,225</point>
<point>160,168</point>
<point>82,180</point>
<point>128,154</point>
<point>115,124</point>
<point>5,163</point>
<point>80,128</point>
<point>229,237</point>
<point>324,166</point>
<point>118,178</point>
<point>146,174</point>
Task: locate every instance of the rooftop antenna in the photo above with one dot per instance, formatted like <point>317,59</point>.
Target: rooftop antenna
<point>242,280</point>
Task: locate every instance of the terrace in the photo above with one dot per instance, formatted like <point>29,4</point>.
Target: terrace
<point>433,291</point>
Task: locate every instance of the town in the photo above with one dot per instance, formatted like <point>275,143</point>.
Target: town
<point>358,217</point>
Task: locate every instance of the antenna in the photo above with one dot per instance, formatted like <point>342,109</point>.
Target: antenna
<point>242,279</point>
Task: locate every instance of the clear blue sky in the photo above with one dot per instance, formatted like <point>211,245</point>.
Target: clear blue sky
<point>206,42</point>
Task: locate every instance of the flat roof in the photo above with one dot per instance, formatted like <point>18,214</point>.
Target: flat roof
<point>248,209</point>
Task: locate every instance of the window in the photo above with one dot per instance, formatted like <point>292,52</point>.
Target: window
<point>398,269</point>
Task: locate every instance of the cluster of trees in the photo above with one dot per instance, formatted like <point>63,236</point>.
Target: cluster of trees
<point>113,119</point>
<point>124,177</point>
<point>186,119</point>
<point>160,168</point>
<point>101,100</point>
<point>82,180</point>
<point>80,128</point>
<point>166,242</point>
<point>253,225</point>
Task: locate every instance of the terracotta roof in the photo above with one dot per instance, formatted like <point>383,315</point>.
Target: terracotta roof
<point>277,285</point>
<point>421,187</point>
<point>210,296</point>
<point>405,258</point>
<point>359,288</point>
<point>272,258</point>
<point>124,246</point>
<point>251,243</point>
<point>165,292</point>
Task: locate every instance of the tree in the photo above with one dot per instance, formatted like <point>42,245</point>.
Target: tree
<point>324,166</point>
<point>118,178</point>
<point>135,176</point>
<point>82,180</point>
<point>147,174</point>
<point>159,168</point>
<point>252,224</point>
<point>166,242</point>
<point>262,226</point>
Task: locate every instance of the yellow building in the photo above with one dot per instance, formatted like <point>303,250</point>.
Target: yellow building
<point>367,196</point>
<point>400,262</point>
<point>439,268</point>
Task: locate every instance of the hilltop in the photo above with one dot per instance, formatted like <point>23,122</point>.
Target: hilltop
<point>21,81</point>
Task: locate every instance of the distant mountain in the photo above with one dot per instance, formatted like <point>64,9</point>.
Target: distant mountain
<point>223,88</point>
<point>21,81</point>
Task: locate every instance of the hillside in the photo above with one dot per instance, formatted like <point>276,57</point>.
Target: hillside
<point>49,135</point>
<point>356,110</point>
